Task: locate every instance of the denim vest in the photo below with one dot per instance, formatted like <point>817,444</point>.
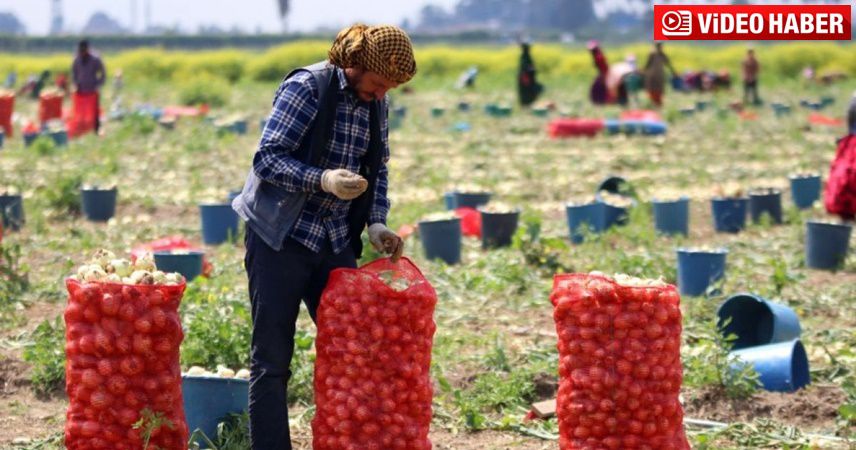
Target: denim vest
<point>271,211</point>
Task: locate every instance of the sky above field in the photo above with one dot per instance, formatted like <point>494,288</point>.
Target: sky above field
<point>247,14</point>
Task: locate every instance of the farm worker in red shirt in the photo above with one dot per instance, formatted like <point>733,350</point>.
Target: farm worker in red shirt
<point>840,194</point>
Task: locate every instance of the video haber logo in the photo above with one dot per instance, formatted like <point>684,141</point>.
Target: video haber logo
<point>752,22</point>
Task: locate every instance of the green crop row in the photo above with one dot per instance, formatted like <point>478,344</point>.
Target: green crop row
<point>779,60</point>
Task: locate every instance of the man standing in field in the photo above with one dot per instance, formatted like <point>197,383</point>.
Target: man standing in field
<point>319,177</point>
<point>88,75</point>
<point>751,67</point>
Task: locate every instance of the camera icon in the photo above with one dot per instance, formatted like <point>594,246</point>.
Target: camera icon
<point>677,23</point>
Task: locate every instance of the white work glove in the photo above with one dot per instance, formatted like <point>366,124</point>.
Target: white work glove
<point>385,241</point>
<point>344,184</point>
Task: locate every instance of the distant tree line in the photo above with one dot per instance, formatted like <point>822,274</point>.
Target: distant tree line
<point>558,15</point>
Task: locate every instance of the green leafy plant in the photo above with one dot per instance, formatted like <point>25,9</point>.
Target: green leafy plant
<point>151,421</point>
<point>300,387</point>
<point>712,364</point>
<point>232,434</point>
<point>46,352</point>
<point>14,275</point>
<point>63,195</point>
<point>217,328</point>
<point>44,146</point>
<point>782,276</point>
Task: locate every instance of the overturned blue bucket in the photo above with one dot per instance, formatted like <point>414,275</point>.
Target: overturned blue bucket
<point>471,199</point>
<point>219,223</point>
<point>805,190</point>
<point>584,217</point>
<point>498,228</point>
<point>441,239</point>
<point>99,205</point>
<point>672,217</point>
<point>826,244</point>
<point>12,211</point>
<point>697,270</point>
<point>766,202</point>
<point>186,262</point>
<point>781,367</point>
<point>757,321</point>
<point>208,400</point>
<point>729,214</point>
<point>60,137</point>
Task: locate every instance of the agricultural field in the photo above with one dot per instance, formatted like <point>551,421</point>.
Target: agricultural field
<point>495,345</point>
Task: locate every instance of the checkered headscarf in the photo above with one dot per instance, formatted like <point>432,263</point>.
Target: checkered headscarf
<point>385,50</point>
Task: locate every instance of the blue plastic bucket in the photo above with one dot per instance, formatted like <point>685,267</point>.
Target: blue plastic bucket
<point>437,112</point>
<point>781,109</point>
<point>233,194</point>
<point>805,190</point>
<point>99,205</point>
<point>442,240</point>
<point>757,321</point>
<point>781,367</point>
<point>579,216</point>
<point>540,112</point>
<point>462,127</point>
<point>449,201</point>
<point>701,105</point>
<point>188,263</point>
<point>498,228</point>
<point>612,215</point>
<point>400,112</point>
<point>729,214</point>
<point>60,137</point>
<point>698,270</point>
<point>463,106</point>
<point>471,199</point>
<point>767,203</point>
<point>219,223</point>
<point>672,217</point>
<point>29,138</point>
<point>208,400</point>
<point>826,244</point>
<point>501,111</point>
<point>12,211</point>
<point>651,128</point>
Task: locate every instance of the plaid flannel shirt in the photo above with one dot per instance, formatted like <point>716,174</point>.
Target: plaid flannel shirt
<point>294,109</point>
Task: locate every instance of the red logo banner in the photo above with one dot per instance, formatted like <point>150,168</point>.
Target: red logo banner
<point>752,22</point>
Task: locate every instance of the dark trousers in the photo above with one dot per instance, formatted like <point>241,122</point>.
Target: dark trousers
<point>279,280</point>
<point>750,92</point>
